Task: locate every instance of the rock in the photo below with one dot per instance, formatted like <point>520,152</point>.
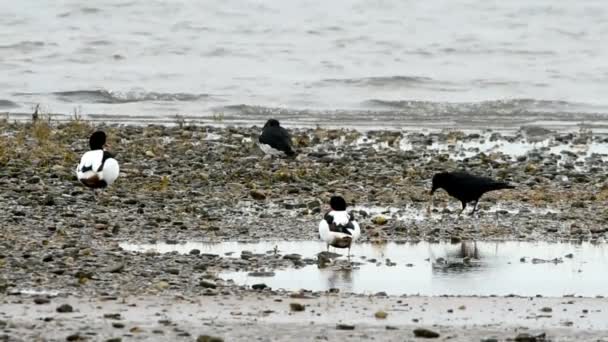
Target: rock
<point>524,337</point>
<point>161,285</point>
<point>296,307</point>
<point>546,309</point>
<point>41,300</point>
<point>425,333</point>
<point>379,220</point>
<point>343,326</point>
<point>293,257</point>
<point>207,338</point>
<point>118,267</point>
<point>115,316</point>
<point>33,180</point>
<point>208,284</point>
<point>173,271</point>
<point>260,286</point>
<point>261,274</point>
<point>75,337</point>
<point>381,314</point>
<point>118,325</point>
<point>257,195</point>
<point>101,226</point>
<point>65,308</point>
<point>194,252</point>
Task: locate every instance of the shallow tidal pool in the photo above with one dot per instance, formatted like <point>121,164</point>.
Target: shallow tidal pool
<point>466,268</point>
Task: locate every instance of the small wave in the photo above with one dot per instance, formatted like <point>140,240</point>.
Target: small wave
<point>23,46</point>
<point>113,97</point>
<point>495,106</point>
<point>8,104</point>
<point>382,81</point>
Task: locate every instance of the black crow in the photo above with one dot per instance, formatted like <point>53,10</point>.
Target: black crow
<point>275,140</point>
<point>466,187</point>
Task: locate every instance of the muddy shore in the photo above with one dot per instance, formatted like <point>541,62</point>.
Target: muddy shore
<point>202,183</point>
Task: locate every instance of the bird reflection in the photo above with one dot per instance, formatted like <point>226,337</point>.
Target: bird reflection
<point>336,272</point>
<point>340,277</point>
<point>463,258</point>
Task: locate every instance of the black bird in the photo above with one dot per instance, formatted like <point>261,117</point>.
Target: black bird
<point>275,140</point>
<point>466,187</point>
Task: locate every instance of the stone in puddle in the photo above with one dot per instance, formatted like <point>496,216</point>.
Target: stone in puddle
<point>343,326</point>
<point>112,316</point>
<point>524,337</point>
<point>65,308</point>
<point>259,286</point>
<point>381,314</point>
<point>292,257</point>
<point>425,333</point>
<point>207,338</point>
<point>296,307</point>
<point>261,274</point>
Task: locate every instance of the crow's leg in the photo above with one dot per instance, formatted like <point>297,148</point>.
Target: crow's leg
<point>464,205</point>
<point>474,207</point>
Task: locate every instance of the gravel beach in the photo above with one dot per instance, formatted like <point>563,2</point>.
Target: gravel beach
<point>58,244</point>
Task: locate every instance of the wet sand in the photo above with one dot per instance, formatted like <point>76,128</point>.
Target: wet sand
<point>210,184</point>
<point>267,316</point>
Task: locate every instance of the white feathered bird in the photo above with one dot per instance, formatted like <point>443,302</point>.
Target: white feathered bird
<point>97,168</point>
<point>338,229</point>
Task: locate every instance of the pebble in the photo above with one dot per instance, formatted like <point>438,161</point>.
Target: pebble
<point>41,300</point>
<point>342,326</point>
<point>207,338</point>
<point>296,307</point>
<point>65,308</point>
<point>425,333</point>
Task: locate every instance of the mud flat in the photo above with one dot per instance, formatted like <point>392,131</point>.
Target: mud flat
<point>201,184</point>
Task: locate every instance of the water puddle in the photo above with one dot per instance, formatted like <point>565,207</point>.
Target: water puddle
<point>482,268</point>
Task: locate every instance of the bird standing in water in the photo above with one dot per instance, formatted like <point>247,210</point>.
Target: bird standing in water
<point>338,228</point>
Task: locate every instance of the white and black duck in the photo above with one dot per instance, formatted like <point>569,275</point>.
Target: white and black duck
<point>97,168</point>
<point>339,228</point>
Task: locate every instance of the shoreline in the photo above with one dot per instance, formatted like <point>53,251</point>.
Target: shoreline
<point>389,122</point>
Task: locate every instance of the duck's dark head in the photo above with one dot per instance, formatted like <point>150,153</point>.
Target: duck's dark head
<point>97,140</point>
<point>439,181</point>
<point>272,123</point>
<point>337,203</point>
